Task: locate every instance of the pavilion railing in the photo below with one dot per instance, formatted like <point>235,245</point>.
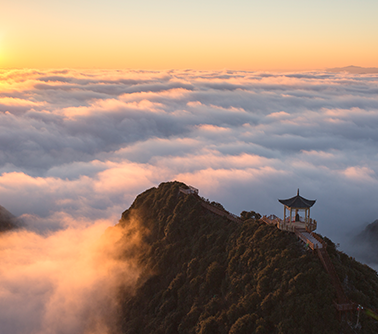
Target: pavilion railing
<point>286,226</point>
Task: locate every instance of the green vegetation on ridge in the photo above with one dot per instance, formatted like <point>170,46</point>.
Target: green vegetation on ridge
<point>204,274</point>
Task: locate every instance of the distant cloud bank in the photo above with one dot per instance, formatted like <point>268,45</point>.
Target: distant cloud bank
<point>85,143</point>
<point>354,69</point>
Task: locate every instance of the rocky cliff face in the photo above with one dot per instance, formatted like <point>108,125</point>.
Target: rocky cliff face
<point>203,273</point>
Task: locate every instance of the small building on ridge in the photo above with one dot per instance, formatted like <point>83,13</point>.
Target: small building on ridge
<point>296,205</point>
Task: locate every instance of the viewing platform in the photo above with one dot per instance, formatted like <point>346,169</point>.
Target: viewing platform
<point>293,206</point>
<point>290,226</point>
<point>301,226</point>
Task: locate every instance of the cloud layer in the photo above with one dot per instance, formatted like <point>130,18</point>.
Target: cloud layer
<point>64,282</point>
<point>76,147</point>
<point>85,143</point>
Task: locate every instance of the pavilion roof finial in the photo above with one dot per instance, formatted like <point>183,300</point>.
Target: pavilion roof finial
<point>298,192</point>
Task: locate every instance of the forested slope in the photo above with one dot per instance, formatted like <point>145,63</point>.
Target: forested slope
<point>205,274</point>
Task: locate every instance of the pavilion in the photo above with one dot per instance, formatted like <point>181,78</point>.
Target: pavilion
<point>295,205</point>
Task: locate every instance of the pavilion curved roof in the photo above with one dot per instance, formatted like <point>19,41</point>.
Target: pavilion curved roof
<point>298,202</point>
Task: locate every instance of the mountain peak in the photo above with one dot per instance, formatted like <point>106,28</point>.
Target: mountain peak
<point>205,273</point>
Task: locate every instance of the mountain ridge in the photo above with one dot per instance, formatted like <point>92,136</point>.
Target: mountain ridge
<point>206,274</point>
<point>354,69</point>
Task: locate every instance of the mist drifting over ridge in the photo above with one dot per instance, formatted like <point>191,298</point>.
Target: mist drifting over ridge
<point>84,143</point>
<point>66,281</point>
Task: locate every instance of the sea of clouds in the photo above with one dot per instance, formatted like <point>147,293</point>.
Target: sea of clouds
<point>85,143</point>
<point>77,146</point>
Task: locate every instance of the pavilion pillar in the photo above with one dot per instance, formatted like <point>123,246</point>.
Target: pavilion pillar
<point>284,214</point>
<point>305,216</point>
<point>291,215</point>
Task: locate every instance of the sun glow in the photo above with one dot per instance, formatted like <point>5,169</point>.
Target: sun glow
<point>1,51</point>
<point>249,36</point>
<point>4,52</point>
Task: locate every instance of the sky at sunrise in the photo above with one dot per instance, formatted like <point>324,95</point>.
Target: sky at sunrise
<point>101,100</point>
<point>239,34</point>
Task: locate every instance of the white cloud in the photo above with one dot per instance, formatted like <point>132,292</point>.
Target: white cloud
<point>63,282</point>
<point>76,147</point>
<point>87,142</point>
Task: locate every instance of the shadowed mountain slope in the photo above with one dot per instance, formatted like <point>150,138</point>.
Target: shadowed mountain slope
<point>205,274</point>
<point>370,234</point>
<point>365,244</point>
<point>7,220</point>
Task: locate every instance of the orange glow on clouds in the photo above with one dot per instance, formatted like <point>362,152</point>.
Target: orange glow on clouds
<point>66,281</point>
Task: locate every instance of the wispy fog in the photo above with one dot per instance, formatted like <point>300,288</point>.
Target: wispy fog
<point>85,143</point>
<point>65,281</point>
